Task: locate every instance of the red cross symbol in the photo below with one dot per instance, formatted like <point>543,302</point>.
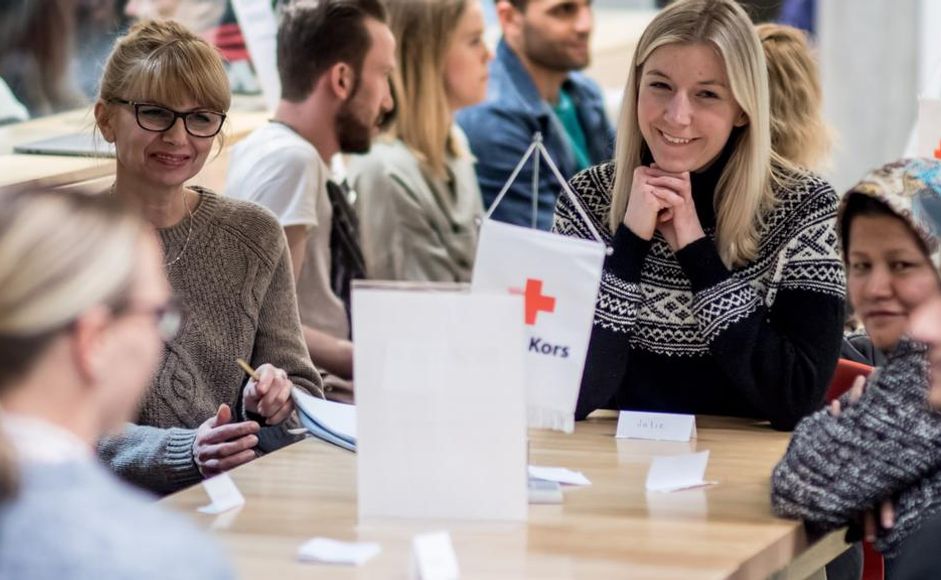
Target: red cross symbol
<point>937,152</point>
<point>536,302</point>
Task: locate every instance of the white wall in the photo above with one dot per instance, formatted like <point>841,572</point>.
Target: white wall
<point>869,61</point>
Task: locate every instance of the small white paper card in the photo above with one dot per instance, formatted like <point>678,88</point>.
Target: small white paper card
<point>433,557</point>
<point>676,472</point>
<point>558,474</point>
<point>656,426</point>
<point>327,551</point>
<point>223,493</point>
<point>929,128</point>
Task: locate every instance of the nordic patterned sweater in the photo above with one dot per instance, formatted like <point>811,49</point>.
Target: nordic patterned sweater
<point>683,333</point>
<point>887,445</point>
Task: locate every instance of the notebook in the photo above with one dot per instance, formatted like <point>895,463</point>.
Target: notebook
<point>85,144</point>
<point>326,420</point>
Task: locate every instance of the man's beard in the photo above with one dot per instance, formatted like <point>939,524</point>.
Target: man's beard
<point>547,54</point>
<point>353,135</point>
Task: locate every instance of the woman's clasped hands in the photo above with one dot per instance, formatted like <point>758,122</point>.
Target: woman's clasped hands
<point>663,201</point>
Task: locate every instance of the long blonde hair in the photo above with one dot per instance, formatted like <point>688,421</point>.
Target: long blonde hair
<point>60,254</point>
<point>744,192</point>
<point>424,31</point>
<point>798,131</point>
<point>161,61</point>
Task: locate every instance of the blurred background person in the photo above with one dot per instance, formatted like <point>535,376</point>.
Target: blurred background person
<point>418,199</point>
<point>536,86</point>
<point>37,42</point>
<point>799,132</point>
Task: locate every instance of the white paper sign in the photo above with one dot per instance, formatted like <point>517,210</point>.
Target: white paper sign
<point>656,426</point>
<point>329,551</point>
<point>259,27</point>
<point>558,474</point>
<point>433,557</point>
<point>440,397</point>
<point>677,472</point>
<point>558,278</point>
<point>223,493</point>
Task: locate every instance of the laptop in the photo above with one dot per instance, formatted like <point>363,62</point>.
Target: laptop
<point>85,144</point>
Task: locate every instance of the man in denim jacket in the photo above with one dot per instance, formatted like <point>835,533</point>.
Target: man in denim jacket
<point>533,88</point>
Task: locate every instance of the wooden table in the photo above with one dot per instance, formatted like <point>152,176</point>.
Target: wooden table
<point>612,529</point>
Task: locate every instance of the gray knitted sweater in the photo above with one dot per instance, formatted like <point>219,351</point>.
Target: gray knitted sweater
<point>234,279</point>
<point>75,520</point>
<point>887,445</point>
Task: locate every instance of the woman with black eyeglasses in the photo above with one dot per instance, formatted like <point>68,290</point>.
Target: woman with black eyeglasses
<point>163,100</point>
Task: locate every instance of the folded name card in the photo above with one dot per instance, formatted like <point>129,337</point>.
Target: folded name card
<point>327,551</point>
<point>223,493</point>
<point>558,475</point>
<point>656,426</point>
<point>433,557</point>
<point>676,472</point>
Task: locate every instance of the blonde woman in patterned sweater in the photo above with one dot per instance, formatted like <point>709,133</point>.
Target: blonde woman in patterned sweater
<point>725,291</point>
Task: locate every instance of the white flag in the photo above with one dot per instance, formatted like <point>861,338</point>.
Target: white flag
<point>558,277</point>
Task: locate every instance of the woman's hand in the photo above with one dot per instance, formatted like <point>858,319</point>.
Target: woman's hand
<point>221,445</point>
<point>673,190</point>
<point>855,392</point>
<point>270,396</point>
<point>644,209</point>
<point>873,521</point>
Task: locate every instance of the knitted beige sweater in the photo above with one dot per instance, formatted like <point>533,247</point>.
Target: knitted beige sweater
<point>235,282</point>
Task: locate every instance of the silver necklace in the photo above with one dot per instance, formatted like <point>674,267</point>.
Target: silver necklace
<point>189,230</point>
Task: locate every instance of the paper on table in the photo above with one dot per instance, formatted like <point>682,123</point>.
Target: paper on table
<point>224,520</point>
<point>223,493</point>
<point>329,551</point>
<point>433,557</point>
<point>677,472</point>
<point>656,426</point>
<point>558,474</point>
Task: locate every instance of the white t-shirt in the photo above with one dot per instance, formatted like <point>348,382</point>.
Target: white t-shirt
<point>279,169</point>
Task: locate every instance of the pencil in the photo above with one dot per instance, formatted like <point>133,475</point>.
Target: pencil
<point>254,374</point>
<point>248,369</point>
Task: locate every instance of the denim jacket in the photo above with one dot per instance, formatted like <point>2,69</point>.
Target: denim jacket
<point>501,129</point>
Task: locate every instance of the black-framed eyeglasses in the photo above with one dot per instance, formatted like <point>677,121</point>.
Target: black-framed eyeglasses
<point>158,119</point>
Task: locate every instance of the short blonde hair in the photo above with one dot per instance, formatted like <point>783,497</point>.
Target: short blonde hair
<point>61,253</point>
<point>424,31</point>
<point>744,192</point>
<point>798,131</point>
<point>163,62</point>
